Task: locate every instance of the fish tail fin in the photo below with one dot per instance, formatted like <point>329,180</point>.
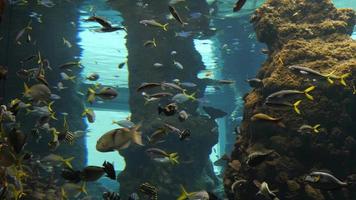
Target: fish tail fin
<point>328,77</point>
<point>306,92</point>
<point>316,128</point>
<point>72,78</point>
<point>190,96</point>
<point>184,195</point>
<point>154,42</point>
<point>85,112</point>
<point>67,162</point>
<point>27,90</point>
<point>91,95</point>
<point>83,188</point>
<point>343,77</point>
<point>295,106</point>
<point>146,100</point>
<point>136,135</point>
<point>165,27</point>
<point>173,158</point>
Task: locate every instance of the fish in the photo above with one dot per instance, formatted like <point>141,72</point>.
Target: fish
<point>2,8</point>
<point>255,82</point>
<point>176,16</point>
<point>106,93</point>
<point>183,115</point>
<point>238,183</point>
<point>121,65</point>
<point>183,134</point>
<point>3,72</point>
<point>222,161</point>
<point>22,32</point>
<point>329,77</point>
<point>158,65</point>
<point>93,77</point>
<point>183,97</point>
<point>265,191</point>
<point>124,123</point>
<point>109,170</point>
<point>60,86</point>
<point>257,157</point>
<point>54,158</point>
<point>199,195</point>
<point>165,85</point>
<point>149,190</point>
<point>119,139</point>
<point>265,117</point>
<point>106,25</point>
<point>172,2</point>
<point>184,34</point>
<point>295,105</point>
<point>66,77</point>
<point>89,114</point>
<point>325,181</point>
<point>159,95</point>
<point>111,196</point>
<point>150,43</point>
<point>238,5</point>
<point>160,155</point>
<point>309,129</point>
<point>145,86</point>
<point>91,173</point>
<point>71,64</point>
<point>134,196</point>
<point>188,84</point>
<point>283,93</point>
<point>37,92</point>
<point>67,43</point>
<point>46,3</point>
<point>178,65</point>
<point>214,113</point>
<point>168,110</point>
<point>154,23</point>
<point>157,136</point>
<point>226,81</point>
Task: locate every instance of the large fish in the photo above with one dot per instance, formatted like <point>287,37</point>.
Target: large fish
<point>119,139</point>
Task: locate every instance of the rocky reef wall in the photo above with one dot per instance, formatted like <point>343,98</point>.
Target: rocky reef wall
<point>195,171</point>
<point>316,35</point>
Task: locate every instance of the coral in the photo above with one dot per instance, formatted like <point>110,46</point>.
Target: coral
<point>316,35</point>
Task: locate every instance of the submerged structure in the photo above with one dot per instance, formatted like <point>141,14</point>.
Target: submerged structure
<point>285,136</point>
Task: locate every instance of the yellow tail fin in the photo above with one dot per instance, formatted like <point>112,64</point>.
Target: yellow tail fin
<point>190,96</point>
<point>67,163</point>
<point>72,78</point>
<point>295,106</point>
<point>306,92</point>
<point>91,96</point>
<point>83,188</point>
<point>343,77</point>
<point>85,112</point>
<point>173,157</point>
<point>328,77</point>
<point>184,194</point>
<point>316,128</point>
<point>27,90</point>
<point>165,27</point>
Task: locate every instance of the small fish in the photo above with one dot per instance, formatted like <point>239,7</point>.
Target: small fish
<point>154,23</point>
<point>37,92</point>
<point>158,65</point>
<point>54,158</point>
<point>106,25</point>
<point>91,173</point>
<point>111,196</point>
<point>256,158</point>
<point>265,191</point>
<point>106,93</point>
<point>121,65</point>
<point>89,114</point>
<point>255,82</point>
<point>73,190</point>
<point>188,84</point>
<point>325,181</point>
<point>71,64</point>
<point>23,31</point>
<point>60,86</point>
<point>67,43</point>
<point>283,93</point>
<point>150,43</point>
<point>183,97</point>
<point>183,134</point>
<point>264,51</point>
<point>184,34</point>
<point>109,170</point>
<point>158,95</point>
<point>164,85</point>
<point>265,117</point>
<point>214,113</point>
<point>238,5</point>
<point>149,190</point>
<point>93,77</point>
<point>66,77</point>
<point>168,110</point>
<point>124,123</point>
<point>145,86</point>
<point>176,16</point>
<point>226,82</point>
<point>183,115</point>
<point>119,139</point>
<point>199,195</point>
<point>222,161</point>
<point>157,136</point>
<point>160,155</point>
<point>309,129</point>
<point>178,65</point>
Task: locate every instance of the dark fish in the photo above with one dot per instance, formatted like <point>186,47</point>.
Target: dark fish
<point>325,181</point>
<point>17,140</point>
<point>71,175</point>
<point>91,173</point>
<point>109,170</point>
<point>255,82</point>
<point>145,86</point>
<point>3,72</point>
<point>213,112</point>
<point>160,95</point>
<point>226,82</point>
<point>111,196</point>
<point>68,65</point>
<point>238,5</point>
<point>107,27</point>
<point>168,110</point>
<point>149,190</point>
<point>121,65</point>
<point>182,134</point>
<point>257,158</point>
<point>175,14</point>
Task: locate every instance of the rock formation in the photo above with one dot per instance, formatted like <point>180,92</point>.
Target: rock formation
<point>316,35</point>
